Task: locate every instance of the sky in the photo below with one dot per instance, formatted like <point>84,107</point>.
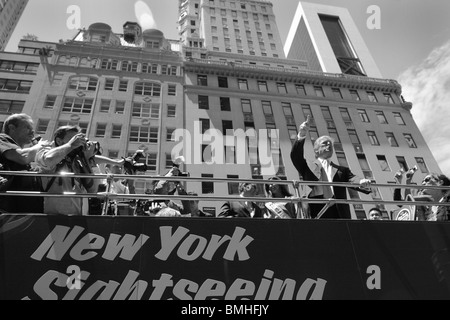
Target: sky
<point>409,41</point>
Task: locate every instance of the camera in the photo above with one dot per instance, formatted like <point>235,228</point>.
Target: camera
<point>176,164</point>
<point>97,147</point>
<point>132,165</point>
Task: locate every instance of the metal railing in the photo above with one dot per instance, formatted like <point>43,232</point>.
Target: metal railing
<point>296,184</point>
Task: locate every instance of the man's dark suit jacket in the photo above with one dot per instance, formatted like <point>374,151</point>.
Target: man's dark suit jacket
<point>313,172</point>
<point>237,209</point>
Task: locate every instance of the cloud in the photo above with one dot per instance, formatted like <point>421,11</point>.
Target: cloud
<point>427,86</point>
<point>144,15</point>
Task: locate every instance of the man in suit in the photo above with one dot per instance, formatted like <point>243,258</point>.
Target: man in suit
<point>323,169</point>
<point>243,209</point>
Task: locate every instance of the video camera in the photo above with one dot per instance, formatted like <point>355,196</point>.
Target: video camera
<point>132,165</point>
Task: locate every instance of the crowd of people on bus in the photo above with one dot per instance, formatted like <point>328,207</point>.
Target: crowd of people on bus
<point>70,152</point>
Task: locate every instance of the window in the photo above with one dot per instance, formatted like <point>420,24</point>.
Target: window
<point>83,83</point>
<point>319,91</point>
<point>151,161</point>
<point>123,85</point>
<point>336,93</point>
<point>402,162</point>
<point>77,105</point>
<point>342,160</point>
<point>145,110</point>
<point>42,125</point>
<point>384,165</point>
<point>363,115</point>
<point>109,84</point>
<point>372,97</point>
<point>345,115</point>
<point>342,48</point>
<point>129,66</point>
<point>409,139</point>
<point>399,119</point>
<point>169,133</point>
<point>388,98</point>
<point>233,187</point>
<point>171,111</point>
<point>282,88</point>
<point>120,107</point>
<point>105,105</point>
<point>300,89</point>
<point>50,102</point>
<point>207,187</point>
<point>422,165</point>
<point>306,108</point>
<point>203,102</point>
<point>101,130</point>
<point>364,166</point>
<point>391,139</point>
<point>243,85</point>
<point>268,112</point>
<point>262,85</point>
<point>202,80</point>
<point>230,155</point>
<point>223,82</point>
<point>150,68</point>
<point>116,131</point>
<point>144,134</point>
<point>172,90</point>
<point>225,104</point>
<point>381,117</point>
<point>148,89</point>
<point>355,95</point>
<point>109,64</point>
<point>373,138</point>
<point>204,125</point>
<point>227,125</point>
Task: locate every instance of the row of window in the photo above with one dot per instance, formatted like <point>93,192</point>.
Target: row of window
<point>144,88</point>
<point>22,86</point>
<point>232,4</point>
<point>300,89</point>
<point>19,66</point>
<point>114,64</point>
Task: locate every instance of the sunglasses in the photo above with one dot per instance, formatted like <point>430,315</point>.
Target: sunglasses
<point>428,179</point>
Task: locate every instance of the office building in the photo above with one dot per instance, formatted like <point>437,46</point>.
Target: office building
<point>10,13</point>
<point>237,112</point>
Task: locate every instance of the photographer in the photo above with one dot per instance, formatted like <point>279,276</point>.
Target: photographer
<point>70,152</point>
<point>170,187</point>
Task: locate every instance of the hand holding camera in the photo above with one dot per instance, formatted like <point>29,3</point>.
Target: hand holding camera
<point>132,165</point>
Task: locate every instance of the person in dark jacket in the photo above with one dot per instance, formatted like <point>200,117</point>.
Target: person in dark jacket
<point>323,169</point>
<point>243,209</point>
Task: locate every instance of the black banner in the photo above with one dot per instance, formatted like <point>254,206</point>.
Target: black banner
<point>142,258</point>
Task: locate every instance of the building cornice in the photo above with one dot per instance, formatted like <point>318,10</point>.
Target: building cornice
<point>291,75</point>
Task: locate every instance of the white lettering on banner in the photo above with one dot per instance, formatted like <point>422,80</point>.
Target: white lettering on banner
<point>59,241</point>
<point>75,243</point>
<point>237,245</point>
<point>131,288</point>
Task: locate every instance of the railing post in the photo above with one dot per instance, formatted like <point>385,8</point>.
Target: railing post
<point>109,180</point>
<point>301,213</point>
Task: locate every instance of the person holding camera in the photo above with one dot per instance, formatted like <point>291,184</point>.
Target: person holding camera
<point>70,152</point>
<point>18,149</point>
